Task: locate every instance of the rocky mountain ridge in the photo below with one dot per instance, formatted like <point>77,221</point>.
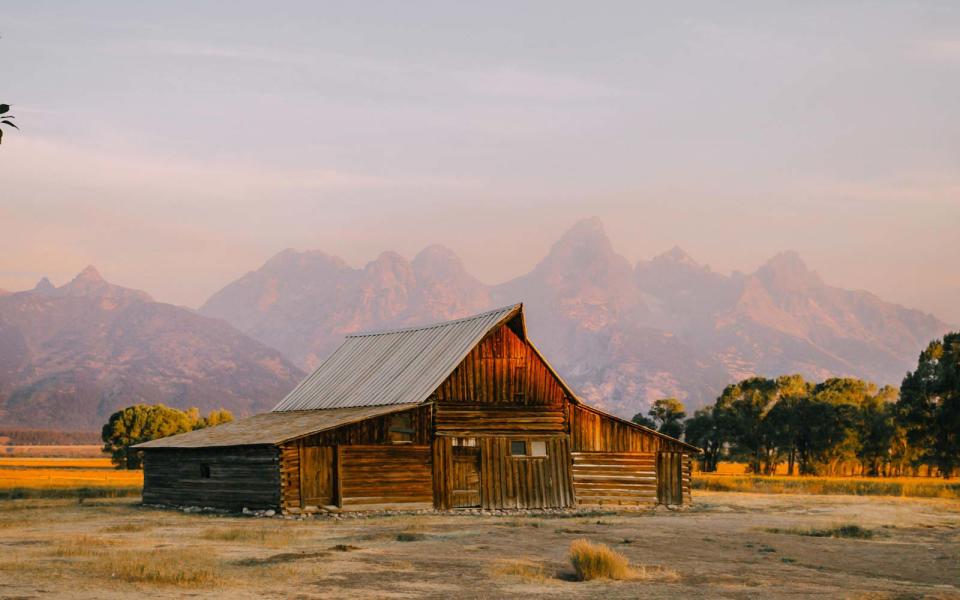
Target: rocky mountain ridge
<point>71,355</point>
<point>621,334</point>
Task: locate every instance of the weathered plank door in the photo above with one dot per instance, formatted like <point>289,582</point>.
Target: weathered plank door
<point>317,475</point>
<point>670,477</point>
<point>466,477</point>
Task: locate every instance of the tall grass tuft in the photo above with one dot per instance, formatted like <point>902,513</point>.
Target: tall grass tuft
<point>597,561</point>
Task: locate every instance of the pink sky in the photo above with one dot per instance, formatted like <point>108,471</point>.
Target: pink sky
<point>177,147</point>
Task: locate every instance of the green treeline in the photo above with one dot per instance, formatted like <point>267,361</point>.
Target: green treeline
<point>841,426</point>
<point>144,422</point>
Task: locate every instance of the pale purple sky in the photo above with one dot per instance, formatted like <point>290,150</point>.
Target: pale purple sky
<point>178,145</point>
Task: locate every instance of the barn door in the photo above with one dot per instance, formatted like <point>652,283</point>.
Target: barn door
<point>670,478</point>
<point>466,476</point>
<point>317,475</point>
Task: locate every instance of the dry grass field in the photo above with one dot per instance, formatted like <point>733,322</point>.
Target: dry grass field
<point>22,477</point>
<point>917,487</point>
<point>729,545</point>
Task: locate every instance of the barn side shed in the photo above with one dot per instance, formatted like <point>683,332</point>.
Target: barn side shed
<point>462,414</point>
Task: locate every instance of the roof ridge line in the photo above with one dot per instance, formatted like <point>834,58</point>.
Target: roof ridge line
<point>434,325</point>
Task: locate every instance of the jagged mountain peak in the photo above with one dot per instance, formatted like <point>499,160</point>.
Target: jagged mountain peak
<point>787,271</point>
<point>89,283</point>
<point>439,262</point>
<point>586,233</point>
<point>583,251</point>
<point>676,256</point>
<point>89,274</point>
<point>43,286</point>
<point>437,253</point>
<point>291,258</point>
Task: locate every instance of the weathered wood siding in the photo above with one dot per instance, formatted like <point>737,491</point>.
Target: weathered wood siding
<point>467,420</point>
<point>239,476</point>
<point>525,482</point>
<point>616,463</point>
<point>442,454</point>
<point>373,431</point>
<point>592,431</point>
<point>378,476</point>
<point>502,369</point>
<point>669,477</point>
<point>621,478</point>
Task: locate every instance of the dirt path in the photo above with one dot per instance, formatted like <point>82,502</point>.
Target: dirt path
<point>723,547</point>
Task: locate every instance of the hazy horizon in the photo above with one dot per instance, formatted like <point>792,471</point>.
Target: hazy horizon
<point>177,147</point>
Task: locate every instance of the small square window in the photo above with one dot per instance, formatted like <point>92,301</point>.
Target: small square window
<point>401,429</point>
<point>468,442</point>
<point>538,448</point>
<point>205,471</point>
<point>518,448</point>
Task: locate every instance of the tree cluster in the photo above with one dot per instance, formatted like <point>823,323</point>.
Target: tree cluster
<point>142,423</point>
<point>841,425</point>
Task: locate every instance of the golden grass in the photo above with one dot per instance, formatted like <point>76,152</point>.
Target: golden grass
<point>53,478</point>
<point>654,573</point>
<point>56,463</point>
<point>918,487</point>
<point>597,561</point>
<point>526,570</point>
<point>742,468</point>
<point>131,527</point>
<point>180,567</point>
<point>81,545</point>
<point>275,535</point>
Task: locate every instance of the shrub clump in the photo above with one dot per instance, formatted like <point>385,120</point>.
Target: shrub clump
<point>597,561</point>
<point>849,530</point>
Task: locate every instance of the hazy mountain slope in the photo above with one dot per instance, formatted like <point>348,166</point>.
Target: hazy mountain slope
<point>70,356</point>
<point>621,334</point>
<point>304,302</point>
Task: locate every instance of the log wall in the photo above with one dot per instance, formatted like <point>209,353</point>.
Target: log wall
<point>467,420</point>
<point>239,476</point>
<point>619,478</point>
<point>385,476</point>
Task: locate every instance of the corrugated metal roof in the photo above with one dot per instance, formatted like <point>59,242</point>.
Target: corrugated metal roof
<point>393,367</point>
<point>272,427</point>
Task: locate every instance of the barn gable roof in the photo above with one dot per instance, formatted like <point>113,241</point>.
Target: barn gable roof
<point>401,366</point>
<point>272,427</point>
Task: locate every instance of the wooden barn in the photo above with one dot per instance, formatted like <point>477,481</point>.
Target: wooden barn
<point>460,414</point>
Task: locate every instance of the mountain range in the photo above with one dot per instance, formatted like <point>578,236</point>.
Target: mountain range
<point>621,334</point>
<point>72,355</point>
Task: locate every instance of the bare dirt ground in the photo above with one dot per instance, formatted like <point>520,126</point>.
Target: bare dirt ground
<point>720,548</point>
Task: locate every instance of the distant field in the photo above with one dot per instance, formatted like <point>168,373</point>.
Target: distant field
<point>77,451</point>
<point>31,477</point>
<point>918,487</point>
<point>739,468</point>
<point>55,462</point>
